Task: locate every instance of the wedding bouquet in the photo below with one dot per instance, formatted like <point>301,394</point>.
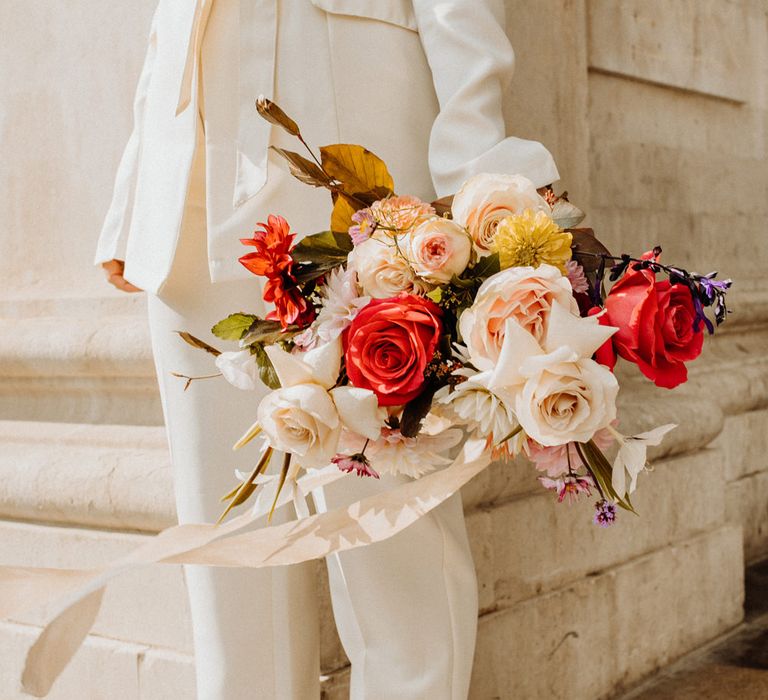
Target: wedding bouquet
<point>409,325</point>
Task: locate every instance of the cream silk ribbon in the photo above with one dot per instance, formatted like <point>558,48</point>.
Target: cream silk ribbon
<point>74,596</point>
<point>257,41</point>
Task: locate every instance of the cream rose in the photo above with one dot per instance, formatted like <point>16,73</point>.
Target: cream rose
<point>485,199</point>
<point>565,399</point>
<point>240,369</point>
<point>382,269</point>
<point>302,420</point>
<point>438,249</point>
<point>523,294</point>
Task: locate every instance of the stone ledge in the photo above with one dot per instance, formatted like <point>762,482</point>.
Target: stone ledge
<point>115,477</point>
<point>607,631</point>
<point>56,346</point>
<point>567,546</point>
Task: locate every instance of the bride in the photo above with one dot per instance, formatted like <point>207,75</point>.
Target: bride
<point>420,82</point>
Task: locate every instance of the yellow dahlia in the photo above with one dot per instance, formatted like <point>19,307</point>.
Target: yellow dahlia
<point>532,239</point>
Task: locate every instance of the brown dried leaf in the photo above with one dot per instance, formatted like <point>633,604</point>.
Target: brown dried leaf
<point>584,241</point>
<point>197,343</point>
<point>304,169</point>
<point>274,115</point>
<point>443,205</point>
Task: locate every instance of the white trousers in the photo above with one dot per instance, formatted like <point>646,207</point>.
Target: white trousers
<point>406,609</point>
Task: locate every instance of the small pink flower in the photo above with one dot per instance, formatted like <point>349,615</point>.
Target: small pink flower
<point>357,463</point>
<point>363,228</point>
<point>400,214</point>
<point>554,460</point>
<point>577,277</point>
<point>570,486</point>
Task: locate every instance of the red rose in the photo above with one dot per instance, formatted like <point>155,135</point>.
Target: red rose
<point>389,345</point>
<point>605,354</point>
<point>655,322</point>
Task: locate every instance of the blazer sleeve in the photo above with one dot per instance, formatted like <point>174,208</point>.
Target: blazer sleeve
<point>114,232</point>
<point>472,61</point>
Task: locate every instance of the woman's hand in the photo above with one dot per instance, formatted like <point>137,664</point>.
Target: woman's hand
<point>114,271</point>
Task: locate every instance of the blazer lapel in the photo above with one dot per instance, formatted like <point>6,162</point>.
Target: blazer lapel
<point>258,38</point>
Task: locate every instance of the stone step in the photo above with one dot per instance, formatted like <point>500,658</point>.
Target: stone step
<point>103,669</point>
<point>77,360</point>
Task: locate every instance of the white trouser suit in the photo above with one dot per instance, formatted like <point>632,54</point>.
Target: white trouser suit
<point>406,609</point>
<point>359,71</point>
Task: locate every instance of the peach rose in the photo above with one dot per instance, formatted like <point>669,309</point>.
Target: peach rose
<point>438,249</point>
<point>525,294</point>
<point>485,199</point>
<point>382,269</point>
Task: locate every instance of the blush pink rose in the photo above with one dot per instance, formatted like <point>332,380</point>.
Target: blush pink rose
<point>438,249</point>
<point>486,199</point>
<point>524,294</point>
<point>389,344</point>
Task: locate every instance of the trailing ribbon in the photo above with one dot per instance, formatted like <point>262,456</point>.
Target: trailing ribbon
<point>76,594</point>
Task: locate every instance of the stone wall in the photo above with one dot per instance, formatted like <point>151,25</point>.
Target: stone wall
<point>657,114</point>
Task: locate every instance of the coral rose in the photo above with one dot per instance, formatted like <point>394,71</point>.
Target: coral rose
<point>656,326</point>
<point>486,199</point>
<point>389,345</point>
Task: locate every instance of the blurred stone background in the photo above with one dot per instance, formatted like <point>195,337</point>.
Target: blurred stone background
<point>657,114</point>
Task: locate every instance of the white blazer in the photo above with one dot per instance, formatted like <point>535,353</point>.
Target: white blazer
<point>419,82</point>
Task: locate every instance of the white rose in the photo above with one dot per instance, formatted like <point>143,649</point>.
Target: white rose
<point>302,420</point>
<point>565,399</point>
<point>524,294</point>
<point>240,369</point>
<point>382,268</point>
<point>485,199</point>
<point>438,249</point>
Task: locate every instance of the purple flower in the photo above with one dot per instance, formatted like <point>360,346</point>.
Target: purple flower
<point>570,486</point>
<point>712,288</point>
<point>357,463</point>
<point>364,228</point>
<point>605,513</point>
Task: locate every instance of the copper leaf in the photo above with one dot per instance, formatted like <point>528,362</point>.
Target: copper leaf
<point>304,169</point>
<point>197,343</point>
<point>274,115</point>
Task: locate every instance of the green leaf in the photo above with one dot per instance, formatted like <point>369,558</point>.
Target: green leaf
<point>307,272</point>
<point>265,332</point>
<point>197,343</point>
<point>565,214</point>
<point>267,372</point>
<point>415,411</point>
<point>319,246</point>
<point>601,470</point>
<point>485,267</point>
<point>234,326</point>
